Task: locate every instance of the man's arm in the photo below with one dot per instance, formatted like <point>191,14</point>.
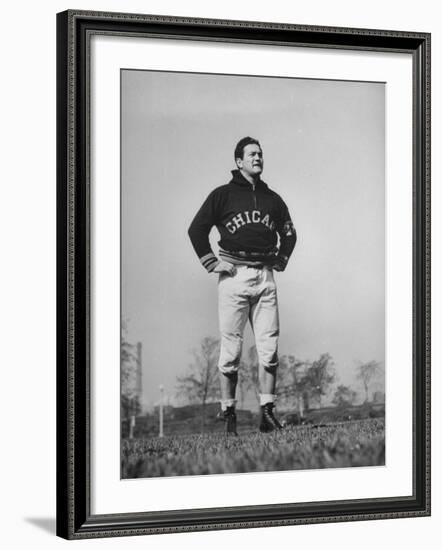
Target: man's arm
<point>199,231</point>
<point>287,238</point>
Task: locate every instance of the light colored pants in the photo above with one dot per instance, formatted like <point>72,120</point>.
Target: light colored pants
<point>248,294</point>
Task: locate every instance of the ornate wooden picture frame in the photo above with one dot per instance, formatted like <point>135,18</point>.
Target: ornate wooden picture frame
<point>76,517</point>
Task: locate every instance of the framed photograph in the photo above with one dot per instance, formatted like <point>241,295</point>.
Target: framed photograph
<point>243,274</point>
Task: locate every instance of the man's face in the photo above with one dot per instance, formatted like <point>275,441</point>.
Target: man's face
<point>252,162</point>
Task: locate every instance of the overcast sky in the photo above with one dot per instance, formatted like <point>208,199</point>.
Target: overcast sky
<point>324,153</point>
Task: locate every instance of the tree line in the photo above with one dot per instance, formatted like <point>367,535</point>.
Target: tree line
<point>301,384</point>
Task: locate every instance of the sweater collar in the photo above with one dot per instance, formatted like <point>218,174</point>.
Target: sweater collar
<point>239,179</point>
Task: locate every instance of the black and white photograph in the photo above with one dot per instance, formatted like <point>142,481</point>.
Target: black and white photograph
<point>252,274</point>
<point>222,264</point>
<point>243,274</point>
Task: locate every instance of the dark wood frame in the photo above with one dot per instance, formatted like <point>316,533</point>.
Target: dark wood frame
<point>74,519</point>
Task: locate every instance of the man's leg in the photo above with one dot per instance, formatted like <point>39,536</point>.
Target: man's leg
<point>264,317</point>
<point>233,309</point>
<point>228,382</point>
<point>267,382</point>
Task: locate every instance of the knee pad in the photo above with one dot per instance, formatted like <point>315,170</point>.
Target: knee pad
<point>230,352</point>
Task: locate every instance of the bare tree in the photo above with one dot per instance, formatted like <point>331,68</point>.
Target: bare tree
<point>201,385</point>
<point>292,383</point>
<point>130,404</point>
<point>367,373</point>
<point>319,376</point>
<point>344,396</point>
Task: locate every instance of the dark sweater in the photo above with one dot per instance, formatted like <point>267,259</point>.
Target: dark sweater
<point>249,220</point>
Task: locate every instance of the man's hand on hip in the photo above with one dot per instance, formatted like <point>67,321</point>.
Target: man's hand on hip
<point>225,267</point>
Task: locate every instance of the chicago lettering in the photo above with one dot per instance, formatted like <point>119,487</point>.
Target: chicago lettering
<point>246,217</point>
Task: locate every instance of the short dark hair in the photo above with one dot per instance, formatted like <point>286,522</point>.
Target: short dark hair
<point>242,143</point>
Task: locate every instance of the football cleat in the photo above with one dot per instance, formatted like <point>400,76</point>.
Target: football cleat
<point>229,416</point>
<point>268,421</point>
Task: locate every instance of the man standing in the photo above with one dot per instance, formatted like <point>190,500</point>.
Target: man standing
<point>249,217</point>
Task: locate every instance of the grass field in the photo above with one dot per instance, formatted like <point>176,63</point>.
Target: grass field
<point>358,443</point>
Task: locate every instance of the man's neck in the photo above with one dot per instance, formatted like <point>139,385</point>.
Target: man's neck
<point>253,180</point>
